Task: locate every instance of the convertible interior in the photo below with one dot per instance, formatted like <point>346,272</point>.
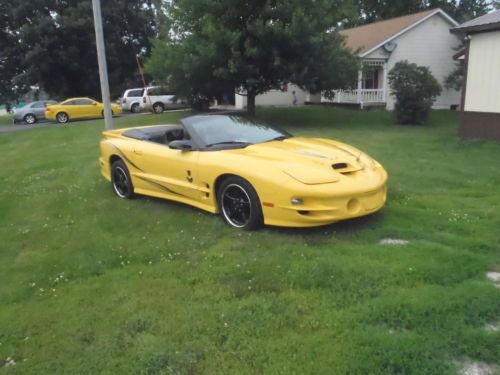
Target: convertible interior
<point>162,134</point>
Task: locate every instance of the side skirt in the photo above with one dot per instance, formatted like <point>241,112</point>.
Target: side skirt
<point>176,198</point>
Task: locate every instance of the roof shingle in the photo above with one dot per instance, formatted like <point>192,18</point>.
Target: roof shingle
<point>490,21</point>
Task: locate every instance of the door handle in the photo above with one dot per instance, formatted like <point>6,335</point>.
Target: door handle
<point>138,152</point>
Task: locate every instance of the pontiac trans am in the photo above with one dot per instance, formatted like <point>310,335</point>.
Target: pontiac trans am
<point>248,172</point>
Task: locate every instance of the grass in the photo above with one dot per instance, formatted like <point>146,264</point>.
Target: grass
<point>5,120</point>
<point>92,284</point>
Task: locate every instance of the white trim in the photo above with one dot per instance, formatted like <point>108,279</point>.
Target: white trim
<point>437,11</point>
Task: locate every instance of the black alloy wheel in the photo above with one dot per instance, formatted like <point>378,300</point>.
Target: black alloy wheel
<point>120,179</point>
<point>239,204</point>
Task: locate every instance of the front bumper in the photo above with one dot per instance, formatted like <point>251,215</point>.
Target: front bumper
<point>325,207</point>
<point>17,117</point>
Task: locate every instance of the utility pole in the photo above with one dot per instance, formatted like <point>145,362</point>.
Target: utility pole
<point>140,70</point>
<point>103,69</point>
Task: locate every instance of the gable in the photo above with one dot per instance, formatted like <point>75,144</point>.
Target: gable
<point>367,38</point>
<point>420,39</point>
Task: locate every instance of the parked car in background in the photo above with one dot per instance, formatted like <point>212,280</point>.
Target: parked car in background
<point>31,112</point>
<point>131,100</point>
<point>157,99</point>
<point>78,108</point>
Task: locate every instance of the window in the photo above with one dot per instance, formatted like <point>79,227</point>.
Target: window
<point>38,105</point>
<point>370,79</point>
<point>83,102</point>
<point>158,91</point>
<point>214,130</point>
<point>134,94</point>
<point>70,102</point>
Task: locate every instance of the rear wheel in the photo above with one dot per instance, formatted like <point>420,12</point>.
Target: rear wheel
<point>120,180</point>
<point>158,107</point>
<point>239,204</point>
<point>62,118</point>
<point>29,119</point>
<point>135,108</point>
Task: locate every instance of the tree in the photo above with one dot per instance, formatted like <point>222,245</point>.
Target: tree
<point>52,44</point>
<point>10,59</point>
<point>415,89</point>
<point>252,46</point>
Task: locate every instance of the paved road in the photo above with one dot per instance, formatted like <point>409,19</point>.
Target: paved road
<point>21,126</point>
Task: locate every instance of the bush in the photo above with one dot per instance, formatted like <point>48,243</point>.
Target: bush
<point>415,90</point>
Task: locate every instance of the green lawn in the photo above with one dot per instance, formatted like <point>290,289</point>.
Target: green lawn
<point>5,120</point>
<point>93,284</point>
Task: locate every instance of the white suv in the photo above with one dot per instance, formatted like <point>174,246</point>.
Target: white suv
<point>131,100</point>
<point>157,99</point>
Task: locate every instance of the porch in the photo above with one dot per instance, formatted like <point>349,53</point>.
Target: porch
<point>372,87</point>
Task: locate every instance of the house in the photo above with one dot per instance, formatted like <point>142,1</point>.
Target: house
<point>280,97</point>
<point>422,38</point>
<point>480,115</point>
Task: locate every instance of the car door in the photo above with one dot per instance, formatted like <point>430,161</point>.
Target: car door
<point>72,109</point>
<point>171,171</point>
<point>88,108</point>
<point>38,109</point>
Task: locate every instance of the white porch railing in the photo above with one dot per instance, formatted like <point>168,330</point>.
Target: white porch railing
<point>357,96</point>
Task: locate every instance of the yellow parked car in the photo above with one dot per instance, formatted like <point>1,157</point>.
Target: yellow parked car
<point>77,109</point>
<point>249,173</point>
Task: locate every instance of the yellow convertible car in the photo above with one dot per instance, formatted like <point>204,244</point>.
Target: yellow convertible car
<point>250,173</point>
<point>77,109</point>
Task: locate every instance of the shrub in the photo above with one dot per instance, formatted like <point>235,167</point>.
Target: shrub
<point>415,90</point>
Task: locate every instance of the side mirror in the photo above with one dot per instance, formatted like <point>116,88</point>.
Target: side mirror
<point>183,145</point>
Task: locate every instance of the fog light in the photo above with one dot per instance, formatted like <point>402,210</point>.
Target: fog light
<point>297,202</point>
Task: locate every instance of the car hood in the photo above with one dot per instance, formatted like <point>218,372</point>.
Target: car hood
<point>310,161</point>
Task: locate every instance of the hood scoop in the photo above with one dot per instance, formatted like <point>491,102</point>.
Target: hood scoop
<point>345,168</point>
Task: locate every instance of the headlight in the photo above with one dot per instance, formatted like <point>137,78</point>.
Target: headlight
<point>297,202</point>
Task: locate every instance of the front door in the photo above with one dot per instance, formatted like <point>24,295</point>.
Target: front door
<point>170,171</point>
<point>88,108</point>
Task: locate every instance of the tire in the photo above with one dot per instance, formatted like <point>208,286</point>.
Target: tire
<point>158,108</point>
<point>30,119</point>
<point>121,181</point>
<point>135,108</point>
<point>239,204</point>
<point>62,118</point>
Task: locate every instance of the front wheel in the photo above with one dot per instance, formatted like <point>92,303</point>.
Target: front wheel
<point>239,204</point>
<point>120,179</point>
<point>62,118</point>
<point>29,119</point>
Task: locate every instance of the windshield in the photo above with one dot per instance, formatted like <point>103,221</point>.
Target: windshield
<point>230,130</point>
